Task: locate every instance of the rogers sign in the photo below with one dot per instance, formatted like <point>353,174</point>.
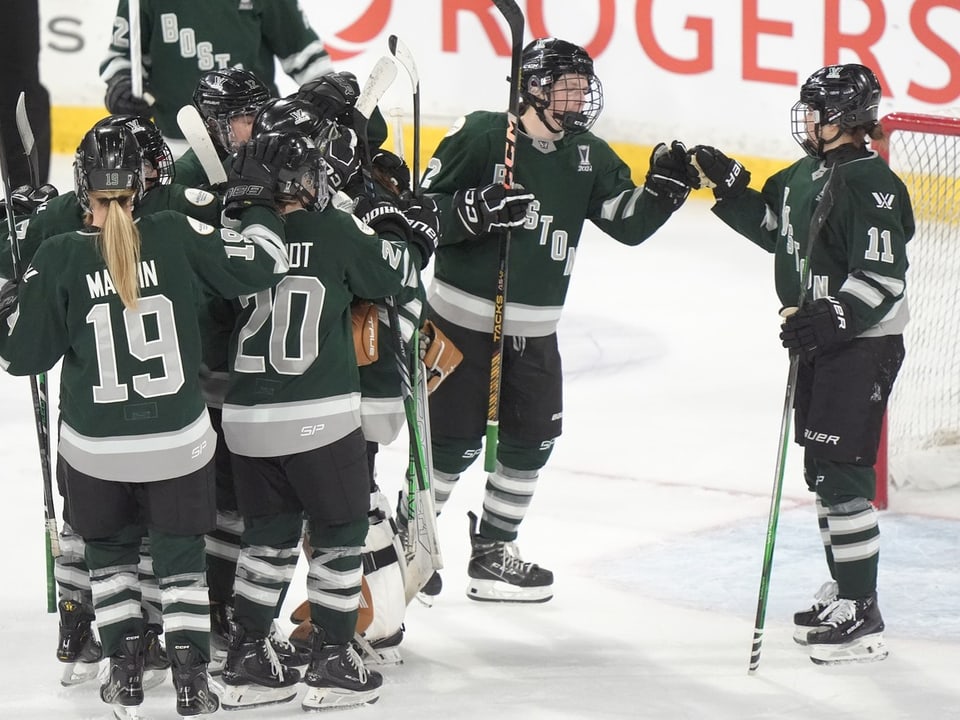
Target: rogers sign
<point>656,33</point>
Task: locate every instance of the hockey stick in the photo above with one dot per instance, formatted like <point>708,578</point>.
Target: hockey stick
<point>514,17</point>
<point>195,132</point>
<point>382,76</point>
<point>816,225</point>
<point>38,383</point>
<point>401,53</point>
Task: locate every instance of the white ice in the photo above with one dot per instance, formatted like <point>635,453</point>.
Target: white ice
<point>652,514</point>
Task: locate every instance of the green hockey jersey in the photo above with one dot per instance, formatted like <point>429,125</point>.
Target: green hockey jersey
<point>294,382</point>
<point>574,179</point>
<point>130,407</point>
<point>182,39</point>
<point>860,253</point>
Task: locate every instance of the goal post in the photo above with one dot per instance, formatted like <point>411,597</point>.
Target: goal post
<point>920,448</point>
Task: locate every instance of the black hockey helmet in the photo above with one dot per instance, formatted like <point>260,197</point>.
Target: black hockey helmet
<point>542,63</point>
<point>847,96</point>
<point>303,177</point>
<point>225,94</point>
<point>108,158</point>
<point>152,145</point>
<point>290,115</point>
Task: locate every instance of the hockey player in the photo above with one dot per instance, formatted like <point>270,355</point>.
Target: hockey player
<point>182,40</point>
<point>565,175</point>
<point>227,100</point>
<point>56,214</point>
<point>292,422</point>
<point>847,332</point>
<point>116,301</point>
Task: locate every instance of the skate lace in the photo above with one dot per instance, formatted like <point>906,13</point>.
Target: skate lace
<point>826,594</point>
<point>357,662</point>
<point>276,667</point>
<point>278,639</point>
<point>838,612</point>
<point>512,562</point>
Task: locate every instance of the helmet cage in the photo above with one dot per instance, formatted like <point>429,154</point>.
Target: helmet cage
<point>303,177</point>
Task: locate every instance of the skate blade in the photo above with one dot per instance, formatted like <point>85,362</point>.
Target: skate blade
<point>126,712</point>
<point>865,650</point>
<point>319,699</point>
<point>79,673</point>
<point>384,656</point>
<point>424,599</point>
<point>498,591</point>
<point>800,634</point>
<point>240,697</point>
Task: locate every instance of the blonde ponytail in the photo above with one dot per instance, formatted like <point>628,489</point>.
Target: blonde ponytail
<point>119,243</point>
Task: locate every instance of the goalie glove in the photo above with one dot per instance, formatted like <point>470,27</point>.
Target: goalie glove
<point>817,327</point>
<point>439,355</point>
<point>491,208</point>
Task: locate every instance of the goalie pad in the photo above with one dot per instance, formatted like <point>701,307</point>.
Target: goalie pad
<point>440,356</point>
<point>366,321</point>
<point>383,601</point>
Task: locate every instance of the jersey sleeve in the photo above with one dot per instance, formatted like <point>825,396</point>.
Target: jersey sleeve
<point>376,266</point>
<point>288,34</point>
<point>752,215</point>
<point>876,219</point>
<point>35,336</point>
<point>620,208</point>
<point>230,263</point>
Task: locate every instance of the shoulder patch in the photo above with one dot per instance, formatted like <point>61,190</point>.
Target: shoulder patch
<point>200,227</point>
<point>457,126</point>
<point>198,197</point>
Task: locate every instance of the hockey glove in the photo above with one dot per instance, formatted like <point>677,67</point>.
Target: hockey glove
<point>726,176</point>
<point>440,356</point>
<point>25,200</point>
<point>382,217</point>
<point>332,94</point>
<point>342,158</point>
<point>424,219</point>
<point>817,327</point>
<point>670,176</point>
<point>492,208</point>
<point>120,99</point>
<point>253,174</point>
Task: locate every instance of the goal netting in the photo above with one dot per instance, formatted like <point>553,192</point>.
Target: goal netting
<point>923,421</point>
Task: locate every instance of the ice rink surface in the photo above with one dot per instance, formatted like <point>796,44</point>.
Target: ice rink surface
<point>652,514</point>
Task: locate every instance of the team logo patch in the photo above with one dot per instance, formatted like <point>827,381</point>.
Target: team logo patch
<point>884,200</point>
<point>584,165</point>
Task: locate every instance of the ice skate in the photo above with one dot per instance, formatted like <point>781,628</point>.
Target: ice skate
<point>124,684</point>
<point>806,620</point>
<point>428,593</point>
<point>253,674</point>
<point>498,574</point>
<point>77,645</point>
<point>155,660</point>
<point>220,615</point>
<point>190,679</point>
<point>384,651</point>
<point>337,677</point>
<point>851,631</point>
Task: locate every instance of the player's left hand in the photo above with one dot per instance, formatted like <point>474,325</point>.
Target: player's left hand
<point>817,327</point>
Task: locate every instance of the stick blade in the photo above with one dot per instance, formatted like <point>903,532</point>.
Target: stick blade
<point>195,132</point>
<point>403,56</point>
<point>23,125</point>
<point>381,78</point>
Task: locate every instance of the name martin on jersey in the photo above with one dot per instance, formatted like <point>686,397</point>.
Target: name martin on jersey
<point>100,285</point>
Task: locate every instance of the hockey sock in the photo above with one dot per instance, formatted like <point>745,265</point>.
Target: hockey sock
<point>266,565</point>
<point>334,578</point>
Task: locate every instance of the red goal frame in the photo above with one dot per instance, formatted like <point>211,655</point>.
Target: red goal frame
<point>892,123</point>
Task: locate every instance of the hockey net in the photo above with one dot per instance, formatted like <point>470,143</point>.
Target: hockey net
<point>921,449</point>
